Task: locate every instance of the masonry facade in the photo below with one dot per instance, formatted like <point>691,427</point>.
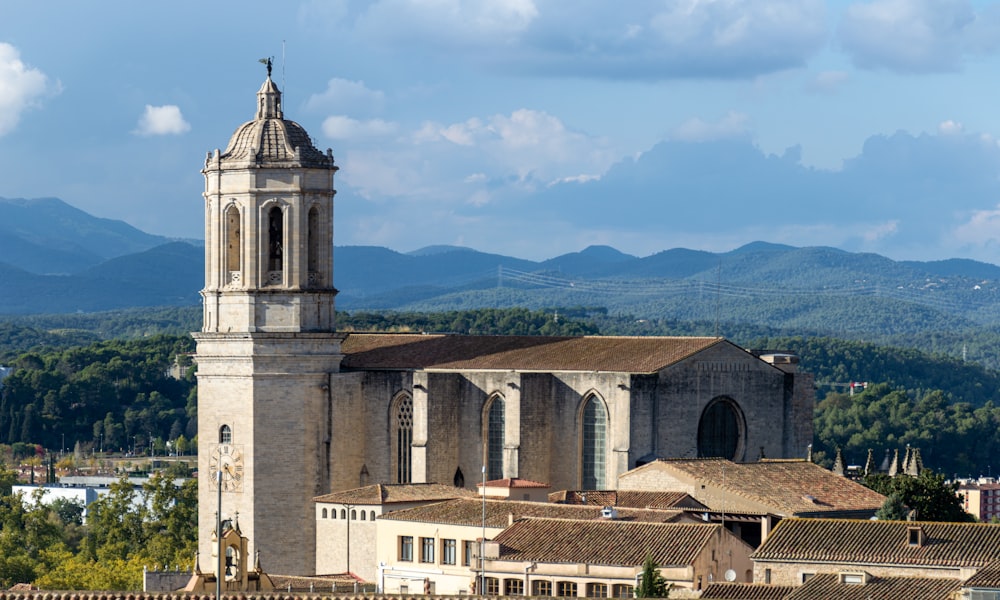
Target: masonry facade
<point>289,409</point>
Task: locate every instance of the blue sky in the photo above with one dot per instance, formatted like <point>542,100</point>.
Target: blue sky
<point>533,127</point>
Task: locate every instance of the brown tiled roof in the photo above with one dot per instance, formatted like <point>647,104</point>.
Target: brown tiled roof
<point>745,591</point>
<point>603,542</point>
<point>385,493</point>
<point>790,487</point>
<point>881,542</point>
<point>513,482</point>
<point>987,577</point>
<point>464,511</point>
<point>373,351</point>
<point>827,586</point>
<point>319,583</point>
<point>629,498</point>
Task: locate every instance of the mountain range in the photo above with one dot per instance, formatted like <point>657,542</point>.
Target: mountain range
<point>57,259</point>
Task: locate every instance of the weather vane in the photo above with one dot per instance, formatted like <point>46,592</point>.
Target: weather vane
<point>266,61</point>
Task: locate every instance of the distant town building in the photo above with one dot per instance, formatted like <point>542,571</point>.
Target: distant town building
<point>980,497</point>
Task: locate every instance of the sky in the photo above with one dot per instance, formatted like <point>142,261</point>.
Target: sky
<point>532,128</point>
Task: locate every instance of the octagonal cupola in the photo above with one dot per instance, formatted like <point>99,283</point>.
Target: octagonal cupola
<point>269,226</point>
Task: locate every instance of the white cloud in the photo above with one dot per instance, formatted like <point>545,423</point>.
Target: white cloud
<point>162,120</point>
<point>916,36</point>
<point>21,87</point>
<point>733,125</point>
<point>339,127</point>
<point>950,127</point>
<point>449,24</point>
<point>828,82</point>
<point>879,231</point>
<point>982,228</point>
<point>345,96</point>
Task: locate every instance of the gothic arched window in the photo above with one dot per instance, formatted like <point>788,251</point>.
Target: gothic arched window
<point>225,435</point>
<point>720,430</point>
<point>233,248</point>
<point>403,439</point>
<point>594,438</point>
<point>494,440</point>
<point>275,240</point>
<point>312,246</point>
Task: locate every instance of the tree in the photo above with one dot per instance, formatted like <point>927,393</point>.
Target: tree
<point>652,584</point>
<point>929,495</point>
<point>892,509</point>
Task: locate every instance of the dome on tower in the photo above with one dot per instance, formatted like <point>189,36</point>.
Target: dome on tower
<point>271,140</point>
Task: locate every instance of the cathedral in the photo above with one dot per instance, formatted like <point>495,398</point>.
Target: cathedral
<point>290,409</point>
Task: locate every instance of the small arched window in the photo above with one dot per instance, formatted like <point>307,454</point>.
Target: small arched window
<point>343,514</point>
<point>364,516</point>
<point>324,513</point>
<point>354,515</point>
<point>225,435</point>
<point>373,515</point>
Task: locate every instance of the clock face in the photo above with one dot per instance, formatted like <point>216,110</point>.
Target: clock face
<point>227,460</point>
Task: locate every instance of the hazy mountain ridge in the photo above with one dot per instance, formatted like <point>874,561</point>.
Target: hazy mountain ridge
<point>812,288</point>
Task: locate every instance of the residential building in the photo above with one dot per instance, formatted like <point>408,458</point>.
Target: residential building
<point>799,549</point>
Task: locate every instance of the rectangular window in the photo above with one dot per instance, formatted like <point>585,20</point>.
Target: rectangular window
<point>565,588</point>
<point>406,548</point>
<point>597,590</point>
<point>767,575</point>
<point>447,552</point>
<point>492,586</point>
<point>467,547</point>
<point>807,576</point>
<point>621,590</point>
<point>541,588</point>
<point>426,550</point>
<point>513,587</point>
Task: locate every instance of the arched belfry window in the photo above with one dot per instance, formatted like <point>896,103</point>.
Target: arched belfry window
<point>233,247</point>
<point>275,241</point>
<point>594,444</point>
<point>402,420</point>
<point>720,430</point>
<point>494,439</point>
<point>225,435</point>
<point>313,247</point>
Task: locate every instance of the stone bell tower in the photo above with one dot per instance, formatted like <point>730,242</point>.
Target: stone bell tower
<point>267,352</point>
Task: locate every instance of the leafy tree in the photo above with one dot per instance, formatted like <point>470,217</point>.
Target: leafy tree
<point>929,495</point>
<point>892,509</point>
<point>652,584</point>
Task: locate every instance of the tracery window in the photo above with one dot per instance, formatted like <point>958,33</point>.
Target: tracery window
<point>403,423</point>
<point>494,440</point>
<point>594,444</point>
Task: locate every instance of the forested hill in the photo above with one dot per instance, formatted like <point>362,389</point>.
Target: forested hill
<point>111,390</point>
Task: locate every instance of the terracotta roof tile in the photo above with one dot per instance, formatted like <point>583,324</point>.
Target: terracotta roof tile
<point>882,542</point>
<point>827,586</point>
<point>373,351</point>
<point>465,511</point>
<point>513,482</point>
<point>745,591</point>
<point>603,542</point>
<point>384,493</point>
<point>626,498</point>
<point>987,577</point>
<point>791,487</point>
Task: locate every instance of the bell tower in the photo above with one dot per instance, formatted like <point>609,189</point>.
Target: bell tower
<point>267,352</point>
